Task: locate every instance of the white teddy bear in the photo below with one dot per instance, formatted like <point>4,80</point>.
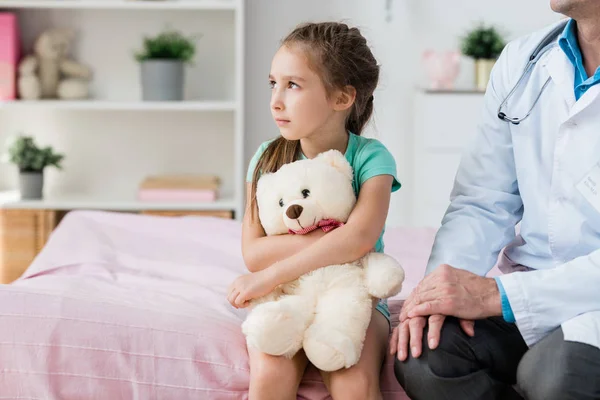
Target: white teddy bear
<point>327,311</point>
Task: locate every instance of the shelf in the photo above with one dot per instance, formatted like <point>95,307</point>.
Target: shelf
<point>456,91</point>
<point>11,200</point>
<point>121,106</point>
<point>123,4</point>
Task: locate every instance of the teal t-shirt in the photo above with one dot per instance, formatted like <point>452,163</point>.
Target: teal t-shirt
<point>368,158</point>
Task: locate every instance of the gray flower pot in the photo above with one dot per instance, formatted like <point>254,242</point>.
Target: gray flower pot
<point>162,80</point>
<point>31,185</point>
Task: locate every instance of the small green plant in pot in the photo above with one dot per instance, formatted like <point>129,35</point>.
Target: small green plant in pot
<point>31,161</point>
<point>162,61</point>
<point>484,44</point>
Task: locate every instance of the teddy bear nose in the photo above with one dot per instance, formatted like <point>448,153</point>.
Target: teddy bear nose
<point>294,211</point>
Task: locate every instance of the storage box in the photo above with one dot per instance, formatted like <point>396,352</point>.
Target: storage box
<point>9,56</point>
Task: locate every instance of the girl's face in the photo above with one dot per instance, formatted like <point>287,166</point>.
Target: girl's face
<point>299,102</point>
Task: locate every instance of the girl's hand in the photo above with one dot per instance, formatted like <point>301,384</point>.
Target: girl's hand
<point>251,286</point>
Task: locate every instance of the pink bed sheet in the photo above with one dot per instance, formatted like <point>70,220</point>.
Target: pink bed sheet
<point>123,306</point>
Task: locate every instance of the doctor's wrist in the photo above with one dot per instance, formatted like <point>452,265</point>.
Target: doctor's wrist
<point>492,299</point>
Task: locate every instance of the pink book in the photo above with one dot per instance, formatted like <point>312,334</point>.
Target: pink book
<point>9,56</point>
<point>177,195</point>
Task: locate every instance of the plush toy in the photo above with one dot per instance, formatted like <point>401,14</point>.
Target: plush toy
<point>442,68</point>
<point>49,74</point>
<point>327,311</point>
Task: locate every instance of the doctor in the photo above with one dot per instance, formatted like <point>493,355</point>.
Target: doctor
<point>533,332</point>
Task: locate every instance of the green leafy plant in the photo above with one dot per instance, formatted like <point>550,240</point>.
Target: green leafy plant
<point>168,45</point>
<point>29,157</point>
<point>483,42</point>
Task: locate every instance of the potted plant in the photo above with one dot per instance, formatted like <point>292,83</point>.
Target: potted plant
<point>162,59</point>
<point>484,44</point>
<point>31,161</point>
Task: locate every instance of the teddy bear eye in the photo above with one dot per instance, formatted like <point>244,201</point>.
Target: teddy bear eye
<point>305,193</point>
<point>280,202</point>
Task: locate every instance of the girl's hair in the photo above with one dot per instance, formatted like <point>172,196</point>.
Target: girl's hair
<point>341,57</point>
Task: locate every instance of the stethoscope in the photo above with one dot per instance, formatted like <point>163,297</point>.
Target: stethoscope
<point>540,49</point>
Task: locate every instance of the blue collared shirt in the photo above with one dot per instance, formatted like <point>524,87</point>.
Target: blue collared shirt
<point>568,43</point>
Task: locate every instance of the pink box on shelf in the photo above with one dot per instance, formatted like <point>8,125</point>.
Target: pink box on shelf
<point>177,195</point>
<point>9,55</point>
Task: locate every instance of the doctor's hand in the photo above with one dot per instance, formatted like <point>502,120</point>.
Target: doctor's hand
<point>251,286</point>
<point>410,333</point>
<point>453,292</point>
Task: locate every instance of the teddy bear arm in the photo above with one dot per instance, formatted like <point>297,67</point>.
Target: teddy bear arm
<point>73,69</point>
<point>383,274</point>
<point>29,65</point>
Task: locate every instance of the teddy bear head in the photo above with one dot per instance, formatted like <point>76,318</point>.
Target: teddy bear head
<point>54,44</point>
<point>303,193</point>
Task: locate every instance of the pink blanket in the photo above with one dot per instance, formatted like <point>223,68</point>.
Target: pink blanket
<point>123,306</point>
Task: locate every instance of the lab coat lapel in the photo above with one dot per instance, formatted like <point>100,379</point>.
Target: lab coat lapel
<point>584,101</point>
<point>562,74</point>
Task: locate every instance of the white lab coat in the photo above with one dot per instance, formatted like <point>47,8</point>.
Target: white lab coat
<point>529,174</point>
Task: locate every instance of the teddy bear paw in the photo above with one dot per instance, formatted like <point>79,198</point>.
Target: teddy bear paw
<point>384,275</point>
<point>330,350</point>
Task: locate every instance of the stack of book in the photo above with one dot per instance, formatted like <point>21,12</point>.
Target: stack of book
<point>179,188</point>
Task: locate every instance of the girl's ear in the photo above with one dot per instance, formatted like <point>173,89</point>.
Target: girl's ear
<point>344,99</point>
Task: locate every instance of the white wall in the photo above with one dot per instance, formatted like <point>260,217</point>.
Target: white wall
<point>118,150</point>
<point>397,44</point>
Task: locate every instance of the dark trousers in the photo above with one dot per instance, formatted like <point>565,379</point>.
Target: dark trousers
<point>497,364</point>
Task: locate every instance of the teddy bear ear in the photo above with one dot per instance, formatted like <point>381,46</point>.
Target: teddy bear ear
<point>264,182</point>
<point>338,161</point>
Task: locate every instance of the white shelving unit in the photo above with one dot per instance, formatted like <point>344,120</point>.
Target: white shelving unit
<point>114,139</point>
<point>437,148</point>
<point>124,4</point>
<point>10,200</point>
<point>207,106</point>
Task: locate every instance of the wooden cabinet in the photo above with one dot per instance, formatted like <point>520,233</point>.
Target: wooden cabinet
<point>23,233</point>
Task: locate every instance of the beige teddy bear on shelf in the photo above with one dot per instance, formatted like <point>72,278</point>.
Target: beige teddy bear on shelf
<point>49,73</point>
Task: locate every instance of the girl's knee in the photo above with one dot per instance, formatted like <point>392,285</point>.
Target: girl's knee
<point>274,377</point>
<point>356,385</point>
<point>271,369</point>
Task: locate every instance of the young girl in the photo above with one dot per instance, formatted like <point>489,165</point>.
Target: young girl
<point>322,82</point>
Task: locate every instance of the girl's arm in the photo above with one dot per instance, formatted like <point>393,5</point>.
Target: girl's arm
<point>347,243</point>
<point>261,251</point>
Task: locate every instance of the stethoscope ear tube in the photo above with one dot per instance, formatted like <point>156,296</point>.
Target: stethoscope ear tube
<point>539,50</point>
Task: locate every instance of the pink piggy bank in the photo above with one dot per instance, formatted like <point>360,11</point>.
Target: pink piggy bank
<point>441,68</point>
